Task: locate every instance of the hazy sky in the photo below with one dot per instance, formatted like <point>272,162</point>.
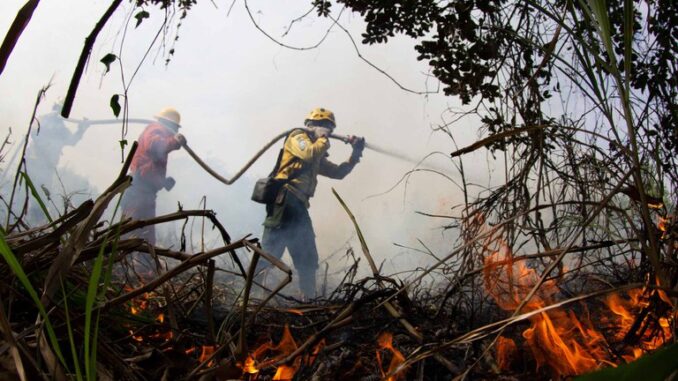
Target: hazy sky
<point>235,89</point>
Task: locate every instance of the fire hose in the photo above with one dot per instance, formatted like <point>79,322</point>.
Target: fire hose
<point>343,138</point>
<point>277,138</point>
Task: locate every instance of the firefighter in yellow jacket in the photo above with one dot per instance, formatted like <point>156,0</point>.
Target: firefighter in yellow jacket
<point>288,224</point>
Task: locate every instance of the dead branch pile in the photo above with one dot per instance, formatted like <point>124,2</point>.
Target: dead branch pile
<point>190,319</point>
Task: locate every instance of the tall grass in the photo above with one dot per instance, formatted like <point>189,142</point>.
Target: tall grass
<point>599,16</point>
<point>36,195</point>
<point>18,271</point>
<point>94,293</point>
<point>98,282</point>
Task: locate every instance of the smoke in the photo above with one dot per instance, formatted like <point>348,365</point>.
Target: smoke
<point>237,89</point>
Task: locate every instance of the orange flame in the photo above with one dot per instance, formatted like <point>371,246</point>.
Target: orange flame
<point>385,342</point>
<point>136,337</point>
<point>142,306</point>
<point>314,353</point>
<point>659,330</point>
<point>506,351</point>
<point>567,344</point>
<point>284,372</point>
<point>668,228</point>
<point>167,336</point>
<point>249,366</point>
<point>285,347</point>
<point>556,339</point>
<point>207,351</point>
<point>295,311</point>
<point>139,304</point>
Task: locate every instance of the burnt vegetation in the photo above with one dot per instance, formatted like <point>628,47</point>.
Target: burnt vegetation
<point>566,265</point>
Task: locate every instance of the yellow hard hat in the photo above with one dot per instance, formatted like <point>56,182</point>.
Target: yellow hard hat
<point>169,114</point>
<point>318,114</point>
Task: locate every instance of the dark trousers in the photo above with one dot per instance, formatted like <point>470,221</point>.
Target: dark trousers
<point>294,233</point>
<point>138,203</point>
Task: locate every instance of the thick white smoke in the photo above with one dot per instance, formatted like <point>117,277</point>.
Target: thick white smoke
<point>235,90</point>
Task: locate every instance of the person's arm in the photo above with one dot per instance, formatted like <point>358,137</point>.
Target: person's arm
<point>160,144</point>
<point>336,171</point>
<point>339,171</point>
<point>301,146</point>
<point>75,137</point>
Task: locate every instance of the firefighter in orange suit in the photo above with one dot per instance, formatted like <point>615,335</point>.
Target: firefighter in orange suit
<point>288,224</point>
<point>149,169</point>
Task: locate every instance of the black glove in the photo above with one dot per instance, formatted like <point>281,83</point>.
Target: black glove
<point>358,144</point>
<point>181,139</point>
<point>169,183</point>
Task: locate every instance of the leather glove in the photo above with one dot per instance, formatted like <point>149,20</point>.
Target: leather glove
<point>181,139</point>
<point>321,132</point>
<point>169,183</point>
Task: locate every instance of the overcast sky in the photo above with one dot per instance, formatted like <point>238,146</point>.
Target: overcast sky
<point>235,89</point>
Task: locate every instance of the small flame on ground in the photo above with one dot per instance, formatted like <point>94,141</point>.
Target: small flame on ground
<point>138,304</point>
<point>664,323</point>
<point>284,348</point>
<point>167,336</point>
<point>284,372</point>
<point>295,311</point>
<point>506,351</point>
<point>142,306</point>
<point>314,354</point>
<point>136,337</point>
<point>249,366</point>
<point>659,331</point>
<point>206,353</point>
<point>568,344</point>
<point>385,342</point>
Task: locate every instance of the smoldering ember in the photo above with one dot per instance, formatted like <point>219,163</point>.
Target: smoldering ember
<point>338,190</point>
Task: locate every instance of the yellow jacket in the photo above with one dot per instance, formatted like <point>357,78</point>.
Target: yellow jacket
<point>304,159</point>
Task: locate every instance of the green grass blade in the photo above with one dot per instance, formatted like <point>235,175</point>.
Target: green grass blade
<point>93,294</point>
<point>36,195</point>
<point>16,268</point>
<point>109,267</point>
<point>599,10</point>
<point>92,288</point>
<point>71,340</point>
<point>657,366</point>
<point>628,41</point>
